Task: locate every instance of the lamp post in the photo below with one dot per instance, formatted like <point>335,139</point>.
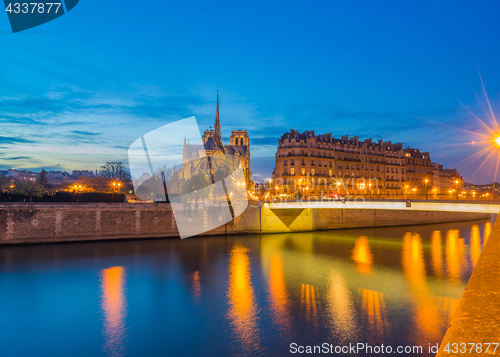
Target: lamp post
<point>370,188</point>
<point>426,188</point>
<point>456,182</point>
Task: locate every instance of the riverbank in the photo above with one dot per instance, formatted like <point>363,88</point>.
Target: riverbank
<point>25,223</point>
<point>476,322</point>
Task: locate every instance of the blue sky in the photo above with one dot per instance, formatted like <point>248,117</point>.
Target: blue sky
<point>77,91</point>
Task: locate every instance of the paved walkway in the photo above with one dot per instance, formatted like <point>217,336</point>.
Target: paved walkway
<point>477,319</point>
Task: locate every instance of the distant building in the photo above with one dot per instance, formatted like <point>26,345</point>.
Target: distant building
<point>83,173</point>
<point>22,175</point>
<point>58,177</point>
<point>53,176</point>
<point>446,180</point>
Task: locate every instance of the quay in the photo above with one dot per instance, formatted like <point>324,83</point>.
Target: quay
<point>27,223</point>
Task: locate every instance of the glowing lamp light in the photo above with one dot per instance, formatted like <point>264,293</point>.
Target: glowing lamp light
<point>497,140</point>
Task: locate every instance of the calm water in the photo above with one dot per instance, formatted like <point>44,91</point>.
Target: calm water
<point>237,295</point>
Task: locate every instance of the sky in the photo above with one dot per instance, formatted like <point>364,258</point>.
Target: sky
<point>78,91</point>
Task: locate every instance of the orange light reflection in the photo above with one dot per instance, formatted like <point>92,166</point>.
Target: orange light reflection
<point>114,308</point>
<point>362,255</point>
<point>278,294</point>
<point>242,307</point>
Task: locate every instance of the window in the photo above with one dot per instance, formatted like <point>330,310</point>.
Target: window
<point>303,171</point>
<point>313,172</point>
<point>407,154</point>
<point>292,171</point>
<point>285,162</point>
<point>292,161</point>
<point>330,173</point>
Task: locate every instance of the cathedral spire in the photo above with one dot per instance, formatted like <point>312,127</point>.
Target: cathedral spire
<point>217,132</point>
<point>217,121</point>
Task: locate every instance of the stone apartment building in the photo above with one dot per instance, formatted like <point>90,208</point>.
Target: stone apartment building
<point>322,165</point>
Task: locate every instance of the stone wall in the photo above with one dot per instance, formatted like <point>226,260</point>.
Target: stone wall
<point>39,223</point>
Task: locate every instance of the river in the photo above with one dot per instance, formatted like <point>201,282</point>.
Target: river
<point>249,295</point>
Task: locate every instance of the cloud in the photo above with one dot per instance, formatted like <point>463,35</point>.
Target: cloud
<point>87,133</point>
<point>17,158</point>
<point>12,140</point>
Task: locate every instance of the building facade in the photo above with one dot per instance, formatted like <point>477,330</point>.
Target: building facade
<point>320,165</point>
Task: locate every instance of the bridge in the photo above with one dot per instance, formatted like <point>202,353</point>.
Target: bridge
<point>437,206</point>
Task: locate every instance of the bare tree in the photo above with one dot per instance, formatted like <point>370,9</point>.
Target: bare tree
<point>115,170</point>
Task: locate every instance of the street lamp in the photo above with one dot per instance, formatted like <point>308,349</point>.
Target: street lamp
<point>426,188</point>
<point>370,188</point>
<point>456,182</point>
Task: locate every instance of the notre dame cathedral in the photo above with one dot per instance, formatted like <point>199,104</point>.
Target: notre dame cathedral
<point>239,145</point>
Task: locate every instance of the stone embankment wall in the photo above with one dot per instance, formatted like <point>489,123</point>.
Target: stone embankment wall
<point>39,223</point>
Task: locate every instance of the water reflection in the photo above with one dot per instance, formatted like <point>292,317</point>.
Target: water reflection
<point>114,308</point>
<point>362,255</point>
<point>196,285</point>
<point>242,308</point>
<point>475,244</point>
<point>426,318</point>
<point>278,294</point>
<point>487,231</point>
<point>454,255</point>
<point>309,300</point>
<point>374,309</point>
<point>437,254</point>
<point>340,306</point>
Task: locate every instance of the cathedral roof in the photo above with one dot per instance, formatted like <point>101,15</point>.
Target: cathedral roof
<point>232,149</point>
<point>211,145</point>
